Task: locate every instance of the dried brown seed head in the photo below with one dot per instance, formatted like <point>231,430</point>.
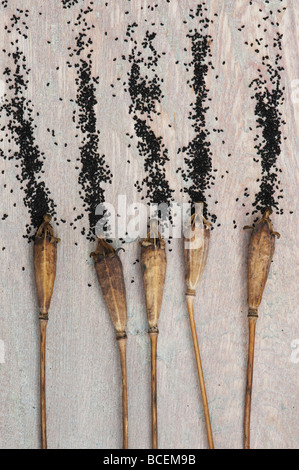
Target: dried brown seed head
<point>153,265</point>
<point>45,258</point>
<point>260,253</point>
<point>196,246</point>
<point>110,276</point>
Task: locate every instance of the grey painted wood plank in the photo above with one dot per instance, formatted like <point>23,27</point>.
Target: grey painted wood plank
<point>83,371</point>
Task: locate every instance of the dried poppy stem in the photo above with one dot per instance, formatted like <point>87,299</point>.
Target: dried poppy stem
<point>154,341</point>
<point>153,265</point>
<point>252,324</point>
<point>196,242</point>
<point>122,342</point>
<point>111,279</point>
<point>45,257</point>
<point>260,254</point>
<point>43,417</point>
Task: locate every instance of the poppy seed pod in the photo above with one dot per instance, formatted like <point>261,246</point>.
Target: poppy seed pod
<point>196,247</point>
<point>260,254</point>
<point>111,279</point>
<point>153,265</point>
<point>45,257</point>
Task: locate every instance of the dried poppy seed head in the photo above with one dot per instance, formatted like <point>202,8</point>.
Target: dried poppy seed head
<point>260,254</point>
<point>45,258</point>
<point>110,276</point>
<point>196,245</point>
<point>153,265</point>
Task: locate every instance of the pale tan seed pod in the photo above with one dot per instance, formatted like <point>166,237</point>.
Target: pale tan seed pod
<point>111,279</point>
<point>196,247</point>
<point>260,254</point>
<point>45,258</point>
<point>153,265</point>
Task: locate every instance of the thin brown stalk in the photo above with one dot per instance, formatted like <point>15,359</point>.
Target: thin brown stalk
<point>43,330</point>
<point>252,325</point>
<point>190,300</point>
<point>154,340</point>
<point>122,351</point>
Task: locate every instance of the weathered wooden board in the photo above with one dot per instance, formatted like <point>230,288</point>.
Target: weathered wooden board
<point>83,371</point>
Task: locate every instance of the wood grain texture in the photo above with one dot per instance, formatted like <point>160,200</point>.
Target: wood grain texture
<point>83,371</point>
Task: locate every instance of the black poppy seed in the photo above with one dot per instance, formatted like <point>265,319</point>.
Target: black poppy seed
<point>69,3</point>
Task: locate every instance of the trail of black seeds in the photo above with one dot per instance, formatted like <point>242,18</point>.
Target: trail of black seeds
<point>94,171</point>
<point>144,87</point>
<point>198,155</point>
<point>268,118</point>
<point>20,129</point>
<point>268,94</point>
<point>69,3</point>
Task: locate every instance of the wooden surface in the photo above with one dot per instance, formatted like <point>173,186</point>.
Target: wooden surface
<point>83,369</point>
